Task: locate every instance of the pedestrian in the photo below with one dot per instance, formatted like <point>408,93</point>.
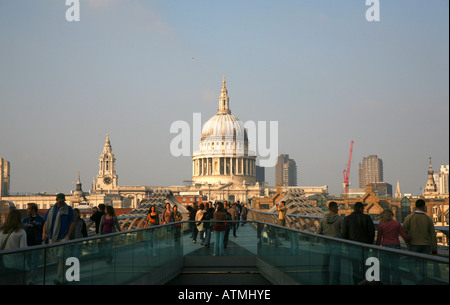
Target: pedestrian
<point>109,224</point>
<point>34,224</point>
<point>358,227</point>
<point>274,232</point>
<point>207,225</point>
<point>233,212</point>
<point>192,212</point>
<point>12,236</point>
<point>58,226</point>
<point>421,229</point>
<point>199,222</point>
<point>237,206</point>
<point>244,212</point>
<point>423,238</point>
<point>219,230</point>
<point>152,220</point>
<point>167,216</point>
<point>238,214</point>
<point>228,224</point>
<point>281,209</point>
<point>177,217</point>
<point>387,236</point>
<point>79,230</point>
<point>152,217</point>
<point>59,221</point>
<point>97,214</point>
<point>331,225</point>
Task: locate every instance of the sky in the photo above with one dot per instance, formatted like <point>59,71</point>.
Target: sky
<point>131,68</point>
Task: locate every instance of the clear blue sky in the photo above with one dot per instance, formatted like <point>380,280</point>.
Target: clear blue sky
<point>317,67</point>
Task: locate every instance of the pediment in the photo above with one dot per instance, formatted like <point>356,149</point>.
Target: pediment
<point>232,187</point>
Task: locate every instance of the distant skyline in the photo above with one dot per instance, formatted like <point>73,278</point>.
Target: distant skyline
<point>131,68</point>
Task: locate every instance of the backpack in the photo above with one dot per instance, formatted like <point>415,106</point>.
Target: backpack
<point>208,215</point>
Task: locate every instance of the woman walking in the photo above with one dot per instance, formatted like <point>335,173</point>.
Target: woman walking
<point>219,229</point>
<point>199,222</point>
<point>388,232</point>
<point>177,217</point>
<point>12,236</point>
<point>152,220</point>
<point>109,224</point>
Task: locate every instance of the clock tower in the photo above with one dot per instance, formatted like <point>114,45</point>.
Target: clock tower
<point>107,177</point>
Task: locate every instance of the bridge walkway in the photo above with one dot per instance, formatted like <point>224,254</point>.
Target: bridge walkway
<point>261,254</point>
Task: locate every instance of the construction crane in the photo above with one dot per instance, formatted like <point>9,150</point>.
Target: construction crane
<point>346,183</point>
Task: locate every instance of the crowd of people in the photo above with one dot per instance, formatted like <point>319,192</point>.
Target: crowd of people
<point>205,219</point>
<point>417,231</point>
<point>62,223</point>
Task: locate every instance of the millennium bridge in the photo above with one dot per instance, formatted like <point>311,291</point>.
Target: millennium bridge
<point>262,253</point>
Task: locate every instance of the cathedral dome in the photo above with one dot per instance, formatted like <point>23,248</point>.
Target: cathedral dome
<point>224,157</point>
<point>224,126</point>
<point>223,132</point>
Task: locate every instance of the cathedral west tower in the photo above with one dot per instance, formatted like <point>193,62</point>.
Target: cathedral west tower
<point>107,177</point>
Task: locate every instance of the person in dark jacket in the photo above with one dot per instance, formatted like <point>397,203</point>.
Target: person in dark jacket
<point>97,215</point>
<point>209,215</point>
<point>79,231</point>
<point>192,212</point>
<point>244,212</point>
<point>33,224</point>
<point>358,227</point>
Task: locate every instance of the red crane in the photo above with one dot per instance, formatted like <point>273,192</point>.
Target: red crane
<point>346,183</point>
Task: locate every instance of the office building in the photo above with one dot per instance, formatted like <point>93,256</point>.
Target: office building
<point>370,171</point>
<point>4,177</point>
<point>286,171</point>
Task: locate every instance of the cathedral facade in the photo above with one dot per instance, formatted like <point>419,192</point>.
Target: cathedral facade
<point>224,157</point>
<point>224,168</point>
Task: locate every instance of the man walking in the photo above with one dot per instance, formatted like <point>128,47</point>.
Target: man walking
<point>34,224</point>
<point>331,225</point>
<point>58,226</point>
<point>421,228</point>
<point>358,227</point>
<point>423,237</point>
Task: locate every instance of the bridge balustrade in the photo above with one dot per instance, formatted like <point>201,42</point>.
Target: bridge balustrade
<point>155,255</point>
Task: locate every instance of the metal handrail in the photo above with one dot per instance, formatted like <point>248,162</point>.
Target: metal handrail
<point>319,236</point>
<point>443,229</point>
<point>78,240</point>
<point>439,259</point>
